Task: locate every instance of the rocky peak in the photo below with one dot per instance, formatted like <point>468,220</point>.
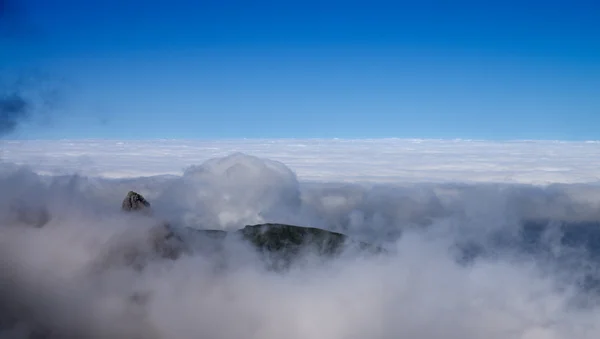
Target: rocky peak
<point>135,202</point>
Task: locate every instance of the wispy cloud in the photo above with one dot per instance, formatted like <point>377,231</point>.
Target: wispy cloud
<point>13,110</point>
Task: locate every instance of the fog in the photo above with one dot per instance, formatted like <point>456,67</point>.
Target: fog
<point>456,265</point>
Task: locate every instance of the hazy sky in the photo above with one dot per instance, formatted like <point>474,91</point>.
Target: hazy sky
<point>348,69</point>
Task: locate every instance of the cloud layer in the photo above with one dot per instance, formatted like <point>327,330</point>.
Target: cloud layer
<point>379,160</point>
<point>460,262</point>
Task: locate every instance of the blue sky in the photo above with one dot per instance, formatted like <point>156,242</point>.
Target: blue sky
<point>346,69</point>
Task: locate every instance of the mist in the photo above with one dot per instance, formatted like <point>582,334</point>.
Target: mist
<point>64,239</point>
<point>13,109</point>
<point>28,94</point>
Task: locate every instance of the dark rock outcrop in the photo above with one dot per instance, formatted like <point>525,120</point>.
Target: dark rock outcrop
<point>292,239</point>
<point>134,202</point>
<point>283,245</point>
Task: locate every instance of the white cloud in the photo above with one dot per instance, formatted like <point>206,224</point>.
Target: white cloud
<point>231,191</point>
<point>379,160</point>
<point>66,275</point>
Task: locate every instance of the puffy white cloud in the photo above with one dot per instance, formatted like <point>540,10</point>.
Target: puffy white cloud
<point>231,192</point>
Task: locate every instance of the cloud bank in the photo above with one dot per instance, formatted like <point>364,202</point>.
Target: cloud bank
<point>326,160</point>
<point>461,261</point>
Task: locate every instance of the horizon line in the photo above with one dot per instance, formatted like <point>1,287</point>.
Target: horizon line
<point>307,139</point>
